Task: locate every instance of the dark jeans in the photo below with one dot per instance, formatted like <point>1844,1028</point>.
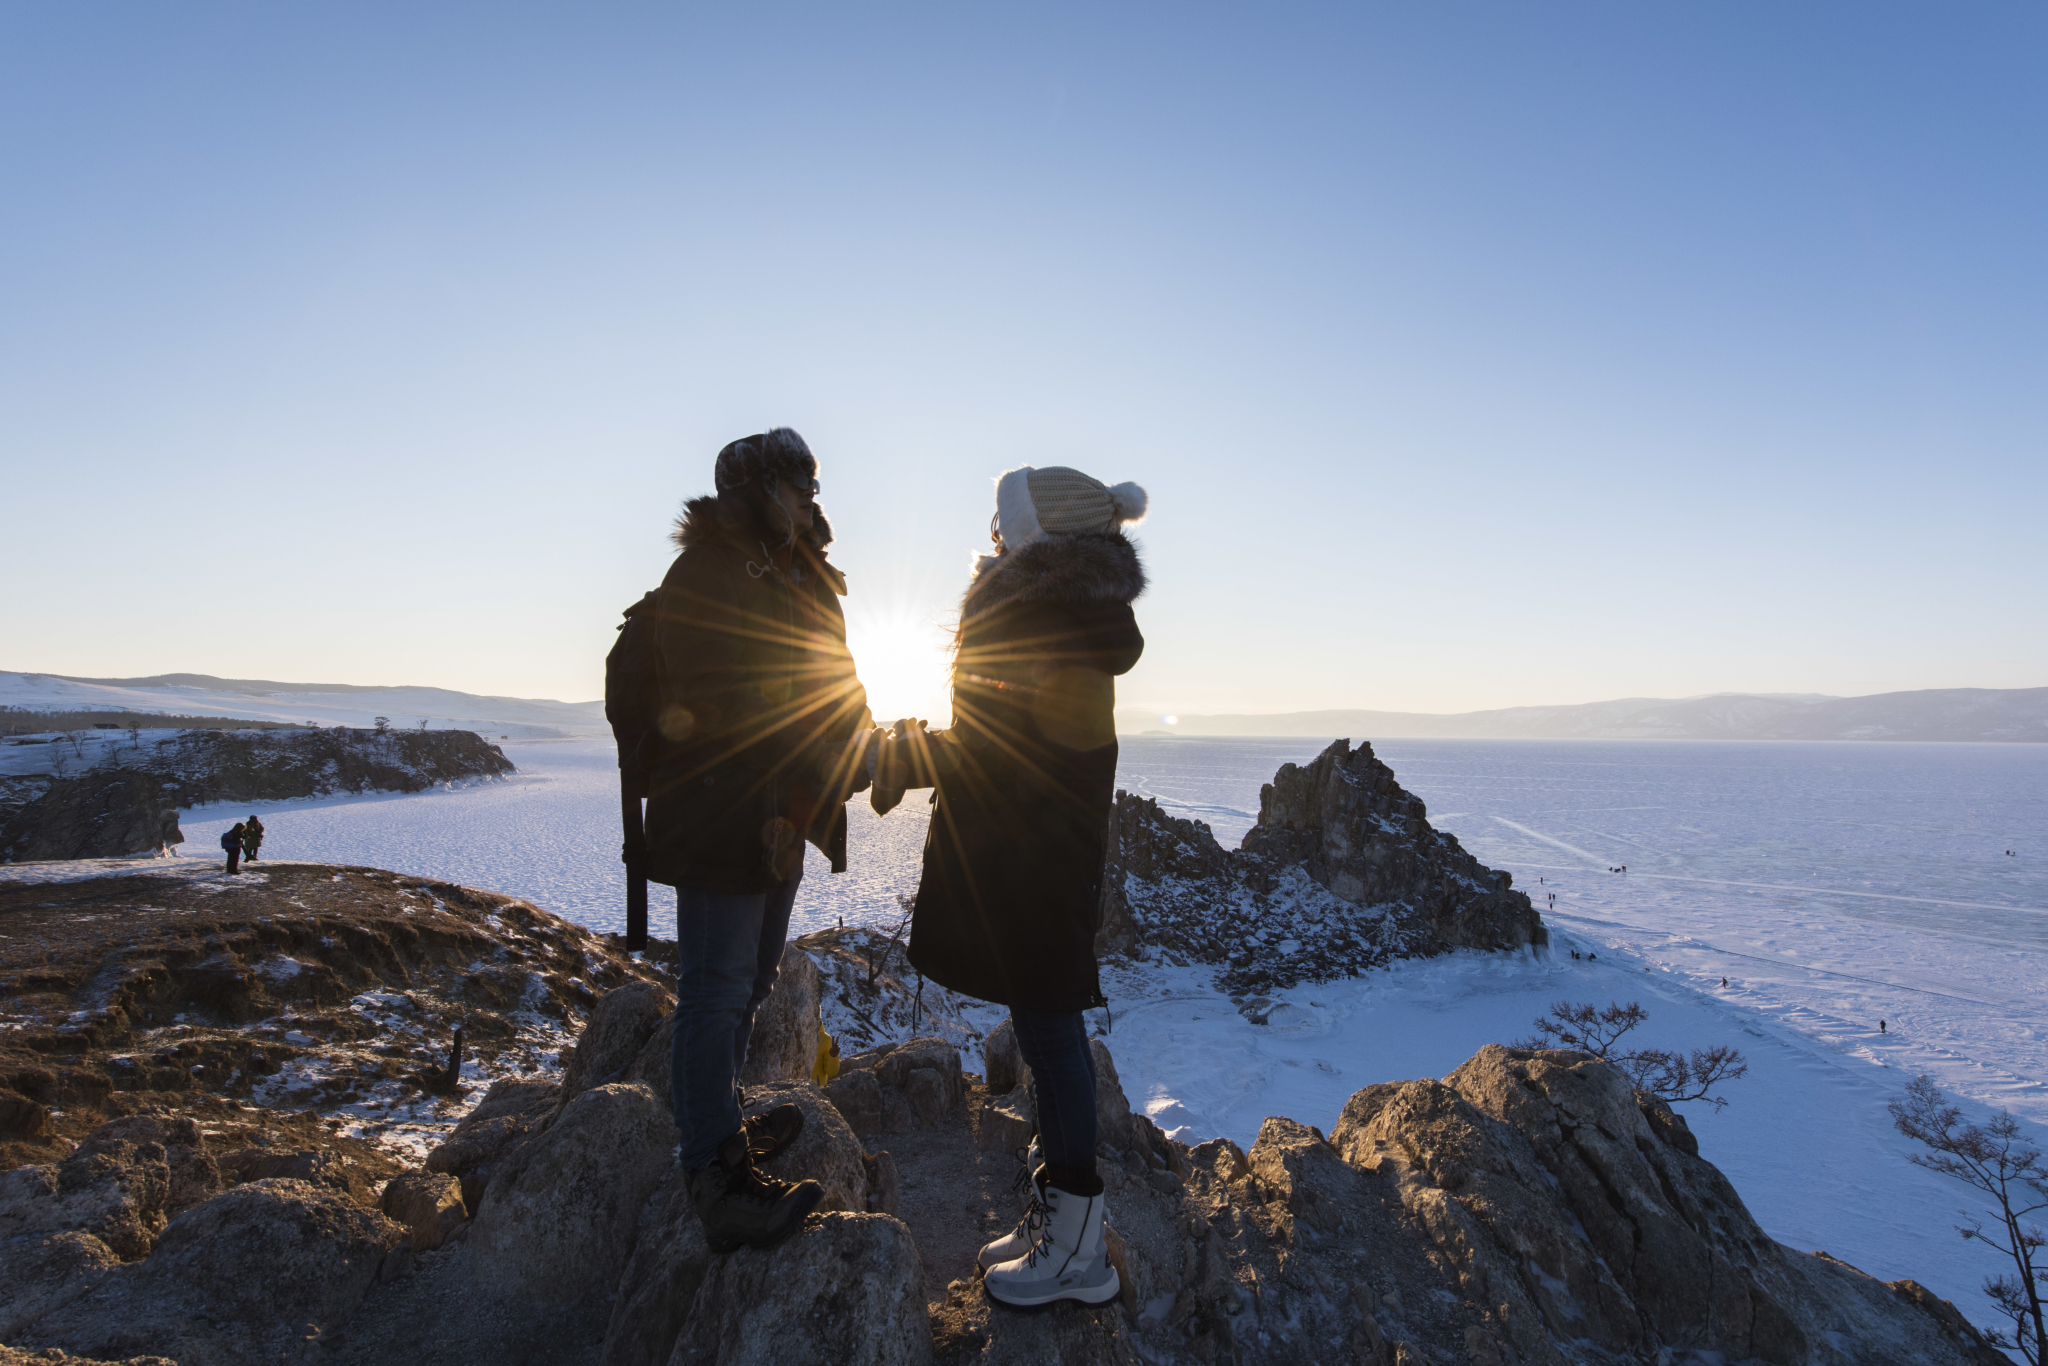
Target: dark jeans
<point>727,949</point>
<point>1055,1047</point>
<point>234,856</point>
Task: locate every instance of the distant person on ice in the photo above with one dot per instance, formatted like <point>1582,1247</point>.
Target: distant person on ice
<point>763,733</point>
<point>1010,899</point>
<point>252,838</point>
<point>232,843</point>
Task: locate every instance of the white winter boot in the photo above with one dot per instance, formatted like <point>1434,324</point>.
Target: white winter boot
<point>1019,1240</point>
<point>1068,1262</point>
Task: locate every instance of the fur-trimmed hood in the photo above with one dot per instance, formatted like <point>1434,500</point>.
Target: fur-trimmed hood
<point>1076,567</point>
<point>727,516</point>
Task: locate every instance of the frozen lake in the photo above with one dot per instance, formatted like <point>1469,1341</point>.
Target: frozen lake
<point>1830,885</point>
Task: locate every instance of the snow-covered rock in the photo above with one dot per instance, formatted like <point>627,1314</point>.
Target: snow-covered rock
<point>1342,872</point>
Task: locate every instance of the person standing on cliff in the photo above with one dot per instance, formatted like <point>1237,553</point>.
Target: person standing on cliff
<point>1010,899</point>
<point>231,842</point>
<point>764,727</point>
<point>252,838</point>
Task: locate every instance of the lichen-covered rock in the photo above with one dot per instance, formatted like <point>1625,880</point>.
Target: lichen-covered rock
<point>843,1290</point>
<point>625,1019</point>
<point>825,1152</point>
<point>242,1279</point>
<point>784,1044</point>
<point>557,1226</point>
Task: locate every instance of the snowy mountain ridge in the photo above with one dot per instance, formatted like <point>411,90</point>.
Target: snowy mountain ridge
<point>327,704</point>
<point>1950,714</point>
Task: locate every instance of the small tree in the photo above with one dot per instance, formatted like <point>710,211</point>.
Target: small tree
<point>1996,1160</point>
<point>423,724</point>
<point>382,723</point>
<point>1668,1075</point>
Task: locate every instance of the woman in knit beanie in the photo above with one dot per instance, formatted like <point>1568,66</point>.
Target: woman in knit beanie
<point>1011,896</point>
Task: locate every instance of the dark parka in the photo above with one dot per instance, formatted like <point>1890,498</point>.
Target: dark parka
<point>1011,896</point>
<point>760,704</point>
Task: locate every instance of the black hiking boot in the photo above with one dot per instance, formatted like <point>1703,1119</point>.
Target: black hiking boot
<point>741,1207</point>
<point>769,1133</point>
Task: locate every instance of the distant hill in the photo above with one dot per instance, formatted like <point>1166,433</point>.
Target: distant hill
<point>327,704</point>
<point>1992,714</point>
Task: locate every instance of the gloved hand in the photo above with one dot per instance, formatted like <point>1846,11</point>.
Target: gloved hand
<point>902,761</point>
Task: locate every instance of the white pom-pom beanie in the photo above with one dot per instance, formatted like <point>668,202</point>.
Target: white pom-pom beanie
<point>1032,502</point>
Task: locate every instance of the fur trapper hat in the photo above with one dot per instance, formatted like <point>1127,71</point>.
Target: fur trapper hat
<point>767,458</point>
<point>748,471</point>
<point>1057,500</point>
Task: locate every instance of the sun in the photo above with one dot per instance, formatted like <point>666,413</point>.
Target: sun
<point>904,661</point>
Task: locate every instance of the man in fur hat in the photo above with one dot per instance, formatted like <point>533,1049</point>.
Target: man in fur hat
<point>764,727</point>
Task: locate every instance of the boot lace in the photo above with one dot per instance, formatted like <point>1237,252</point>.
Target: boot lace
<point>1035,1215</point>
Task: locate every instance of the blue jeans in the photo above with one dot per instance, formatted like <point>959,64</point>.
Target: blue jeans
<point>1055,1047</point>
<point>727,950</point>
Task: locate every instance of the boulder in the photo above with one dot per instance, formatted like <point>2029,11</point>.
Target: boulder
<point>246,1277</point>
<point>784,1043</point>
<point>46,1273</point>
<point>652,1066</point>
<point>618,1030</point>
<point>120,1185</point>
<point>857,1096</point>
<point>885,1184</point>
<point>844,1289</point>
<point>1112,1110</point>
<point>428,1203</point>
<point>926,1072</point>
<point>1001,1058</point>
<point>558,1225</point>
<point>1540,1177</point>
<point>966,1328</point>
<point>511,1112</point>
<point>660,1282</point>
<point>825,1152</point>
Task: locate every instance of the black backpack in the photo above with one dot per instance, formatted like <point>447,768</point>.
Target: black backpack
<point>632,704</point>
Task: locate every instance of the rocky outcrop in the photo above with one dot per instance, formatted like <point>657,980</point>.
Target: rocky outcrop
<point>1342,872</point>
<point>107,813</point>
<point>253,1003</point>
<point>201,766</point>
<point>248,1277</point>
<point>842,1290</point>
<point>1527,1210</point>
<point>557,1224</point>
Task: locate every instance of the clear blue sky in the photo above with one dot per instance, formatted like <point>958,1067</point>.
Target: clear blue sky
<point>1474,355</point>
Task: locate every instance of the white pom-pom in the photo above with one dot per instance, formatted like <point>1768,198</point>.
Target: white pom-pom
<point>1129,501</point>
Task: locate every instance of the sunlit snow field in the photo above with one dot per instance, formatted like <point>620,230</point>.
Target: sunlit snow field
<point>1831,886</point>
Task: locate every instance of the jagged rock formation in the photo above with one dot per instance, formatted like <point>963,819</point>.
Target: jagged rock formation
<point>107,813</point>
<point>1528,1210</point>
<point>1342,872</point>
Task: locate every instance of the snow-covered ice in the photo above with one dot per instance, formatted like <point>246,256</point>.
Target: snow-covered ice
<point>1832,885</point>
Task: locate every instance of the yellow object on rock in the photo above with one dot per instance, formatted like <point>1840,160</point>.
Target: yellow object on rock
<point>827,1065</point>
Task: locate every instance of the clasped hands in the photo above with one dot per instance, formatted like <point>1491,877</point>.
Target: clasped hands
<point>899,758</point>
